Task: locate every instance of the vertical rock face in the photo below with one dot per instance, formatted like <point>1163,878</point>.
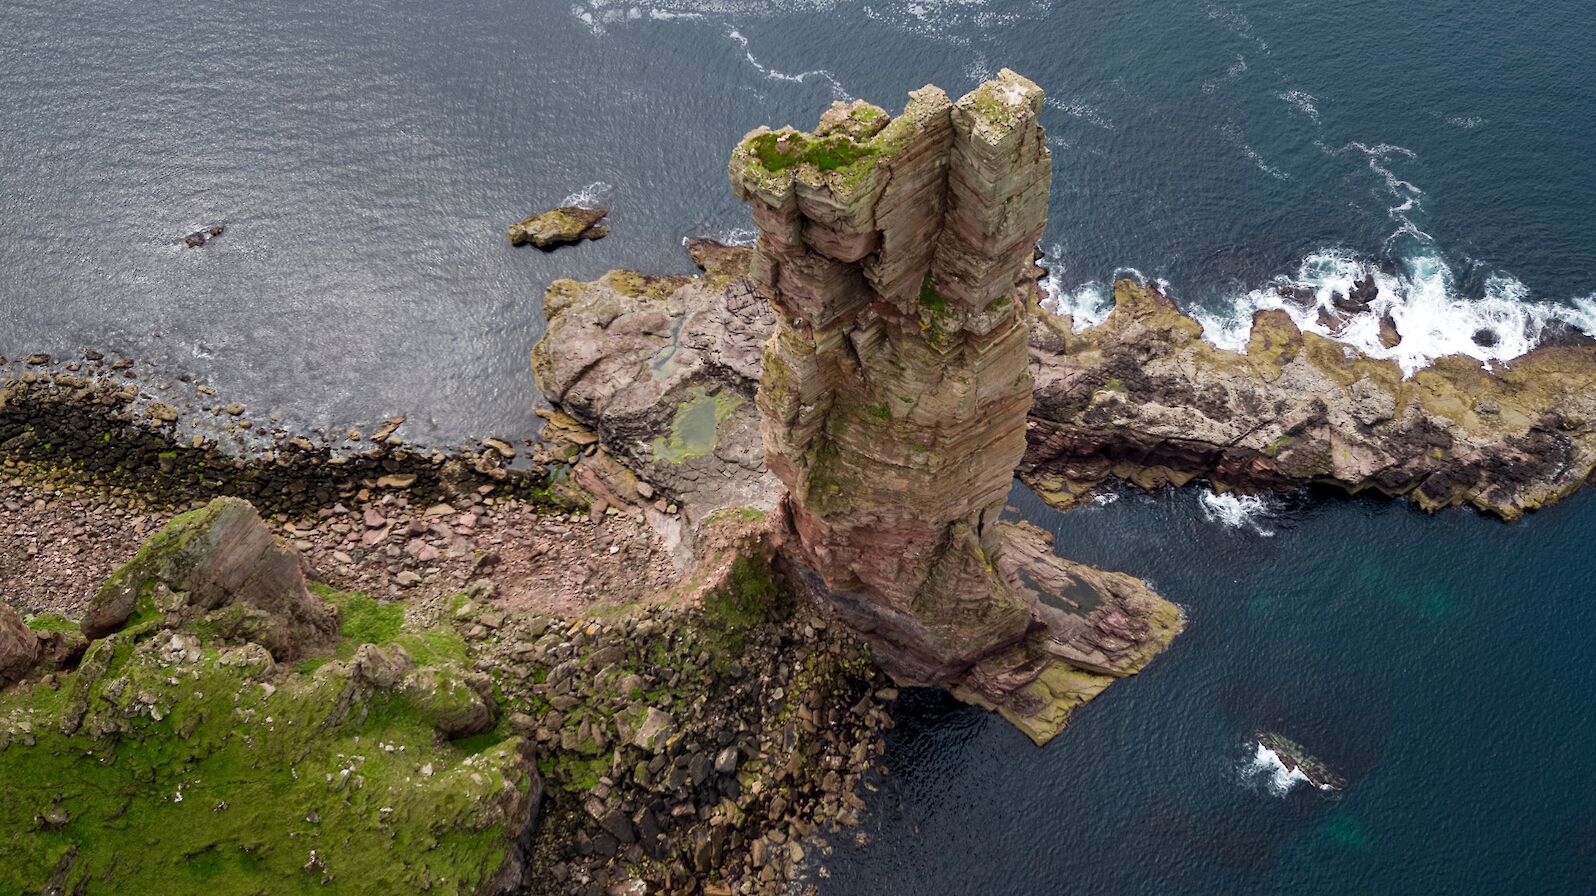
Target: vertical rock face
<point>897,254</point>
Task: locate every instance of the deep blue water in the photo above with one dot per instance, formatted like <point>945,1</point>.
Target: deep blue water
<point>366,158</point>
<point>1442,664</point>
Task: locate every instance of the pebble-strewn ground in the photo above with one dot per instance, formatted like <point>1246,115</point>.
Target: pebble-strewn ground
<point>56,547</point>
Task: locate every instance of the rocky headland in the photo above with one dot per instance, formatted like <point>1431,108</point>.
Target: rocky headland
<point>654,651</point>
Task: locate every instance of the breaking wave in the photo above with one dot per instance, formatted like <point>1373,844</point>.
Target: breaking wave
<point>1265,768</point>
<point>1417,304</point>
<point>1087,304</point>
<point>1408,306</point>
<point>1237,511</point>
<point>594,195</point>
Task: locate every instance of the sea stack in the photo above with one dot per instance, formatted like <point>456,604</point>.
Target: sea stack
<point>897,254</point>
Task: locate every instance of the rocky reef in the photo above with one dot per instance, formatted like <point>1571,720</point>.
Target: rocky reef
<point>1144,398</point>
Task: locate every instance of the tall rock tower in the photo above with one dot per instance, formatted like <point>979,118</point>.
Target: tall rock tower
<point>897,253</point>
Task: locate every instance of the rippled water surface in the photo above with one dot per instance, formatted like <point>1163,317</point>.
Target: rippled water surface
<point>366,158</point>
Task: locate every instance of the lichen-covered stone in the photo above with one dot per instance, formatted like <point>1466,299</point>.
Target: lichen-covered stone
<point>220,563</point>
<point>559,226</point>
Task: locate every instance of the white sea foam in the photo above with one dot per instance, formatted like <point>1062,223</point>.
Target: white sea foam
<point>837,89</point>
<point>1421,300</point>
<point>1237,511</point>
<point>731,236</point>
<point>1087,304</point>
<point>1085,111</point>
<point>1303,101</point>
<point>594,195</point>
<point>1266,767</point>
<point>950,21</point>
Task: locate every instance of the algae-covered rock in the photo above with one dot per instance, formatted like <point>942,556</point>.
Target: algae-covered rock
<point>220,564</point>
<point>559,226</point>
<point>169,762</point>
<point>19,646</point>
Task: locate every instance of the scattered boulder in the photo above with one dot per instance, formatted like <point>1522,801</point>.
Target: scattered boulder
<point>220,563</point>
<point>559,226</point>
<point>202,236</point>
<point>19,646</point>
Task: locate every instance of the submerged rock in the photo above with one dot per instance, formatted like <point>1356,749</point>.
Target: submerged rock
<point>1298,762</point>
<point>559,226</point>
<point>223,564</point>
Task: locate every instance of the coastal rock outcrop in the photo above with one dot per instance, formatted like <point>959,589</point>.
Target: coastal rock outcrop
<point>1142,397</point>
<point>898,256</point>
<point>220,562</point>
<point>559,226</point>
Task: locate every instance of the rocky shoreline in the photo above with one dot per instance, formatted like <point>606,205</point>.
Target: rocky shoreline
<point>587,619</point>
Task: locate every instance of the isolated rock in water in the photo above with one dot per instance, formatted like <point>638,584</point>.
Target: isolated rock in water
<point>19,646</point>
<point>898,256</point>
<point>556,227</point>
<point>220,562</point>
<point>1297,761</point>
<point>201,237</point>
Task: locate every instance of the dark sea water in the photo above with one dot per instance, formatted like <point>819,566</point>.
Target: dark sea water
<point>366,158</point>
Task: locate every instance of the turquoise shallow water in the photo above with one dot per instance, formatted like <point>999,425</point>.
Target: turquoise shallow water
<point>367,156</point>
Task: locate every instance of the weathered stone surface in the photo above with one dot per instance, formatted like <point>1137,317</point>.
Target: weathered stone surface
<point>559,226</point>
<point>222,563</point>
<point>19,646</point>
<point>663,370</point>
<point>894,392</point>
<point>1143,398</point>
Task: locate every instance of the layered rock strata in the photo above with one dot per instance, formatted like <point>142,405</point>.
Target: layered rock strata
<point>897,254</point>
<point>1144,398</point>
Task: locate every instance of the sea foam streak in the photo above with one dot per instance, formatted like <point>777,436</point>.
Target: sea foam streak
<point>1237,511</point>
